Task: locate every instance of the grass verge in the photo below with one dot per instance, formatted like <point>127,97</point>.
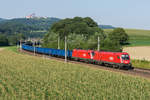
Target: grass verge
<point>141,64</point>
<point>12,48</point>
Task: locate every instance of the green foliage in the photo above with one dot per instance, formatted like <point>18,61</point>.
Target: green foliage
<point>136,37</point>
<point>29,27</point>
<point>3,40</point>
<point>80,42</point>
<point>50,40</point>
<point>120,35</point>
<point>80,32</point>
<point>76,41</point>
<point>89,21</point>
<point>33,78</point>
<point>10,28</point>
<point>77,25</point>
<point>110,45</point>
<point>37,23</point>
<point>14,39</point>
<point>10,40</point>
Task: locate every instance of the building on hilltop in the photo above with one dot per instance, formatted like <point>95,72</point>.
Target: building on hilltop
<point>33,15</point>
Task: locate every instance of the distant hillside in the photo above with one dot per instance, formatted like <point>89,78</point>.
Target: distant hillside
<point>30,27</point>
<point>1,19</point>
<point>106,27</point>
<point>37,23</point>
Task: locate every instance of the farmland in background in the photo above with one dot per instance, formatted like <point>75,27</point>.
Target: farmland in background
<point>139,52</point>
<point>137,37</point>
<point>29,77</point>
<point>140,56</point>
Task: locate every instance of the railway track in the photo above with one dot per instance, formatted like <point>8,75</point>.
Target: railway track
<point>140,72</point>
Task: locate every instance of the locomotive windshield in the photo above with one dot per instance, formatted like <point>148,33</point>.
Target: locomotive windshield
<point>125,57</point>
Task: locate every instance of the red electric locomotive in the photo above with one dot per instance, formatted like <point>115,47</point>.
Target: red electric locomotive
<point>111,59</point>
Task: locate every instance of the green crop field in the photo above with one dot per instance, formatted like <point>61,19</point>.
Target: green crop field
<point>137,37</point>
<point>36,78</point>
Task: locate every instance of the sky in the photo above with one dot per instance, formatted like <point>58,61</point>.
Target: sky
<point>119,13</point>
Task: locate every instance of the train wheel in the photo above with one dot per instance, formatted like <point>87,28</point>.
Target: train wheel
<point>107,65</point>
<point>115,66</point>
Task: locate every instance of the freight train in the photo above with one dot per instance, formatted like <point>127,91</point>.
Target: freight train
<point>119,60</point>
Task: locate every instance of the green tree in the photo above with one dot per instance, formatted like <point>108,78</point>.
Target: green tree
<point>76,41</point>
<point>12,40</point>
<point>50,40</point>
<point>119,35</point>
<point>90,22</point>
<point>110,45</point>
<point>77,25</point>
<point>3,40</point>
<point>81,29</point>
<point>20,36</point>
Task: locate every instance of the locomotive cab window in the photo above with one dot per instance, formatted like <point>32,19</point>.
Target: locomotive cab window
<point>125,57</point>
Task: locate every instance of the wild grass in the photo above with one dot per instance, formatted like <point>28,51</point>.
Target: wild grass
<point>141,63</point>
<point>12,48</point>
<point>34,78</point>
<point>137,37</point>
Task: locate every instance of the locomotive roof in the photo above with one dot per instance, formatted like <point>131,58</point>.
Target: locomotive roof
<point>108,52</point>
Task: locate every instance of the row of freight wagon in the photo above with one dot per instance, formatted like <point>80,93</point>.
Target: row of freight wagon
<point>48,51</point>
<point>111,59</point>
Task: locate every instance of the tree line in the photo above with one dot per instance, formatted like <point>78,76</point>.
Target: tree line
<point>83,33</point>
<point>29,28</point>
<point>11,40</point>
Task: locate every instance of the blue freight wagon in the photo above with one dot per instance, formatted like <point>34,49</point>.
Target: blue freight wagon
<point>48,51</point>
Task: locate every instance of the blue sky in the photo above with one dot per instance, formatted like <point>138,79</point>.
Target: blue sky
<point>119,13</point>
